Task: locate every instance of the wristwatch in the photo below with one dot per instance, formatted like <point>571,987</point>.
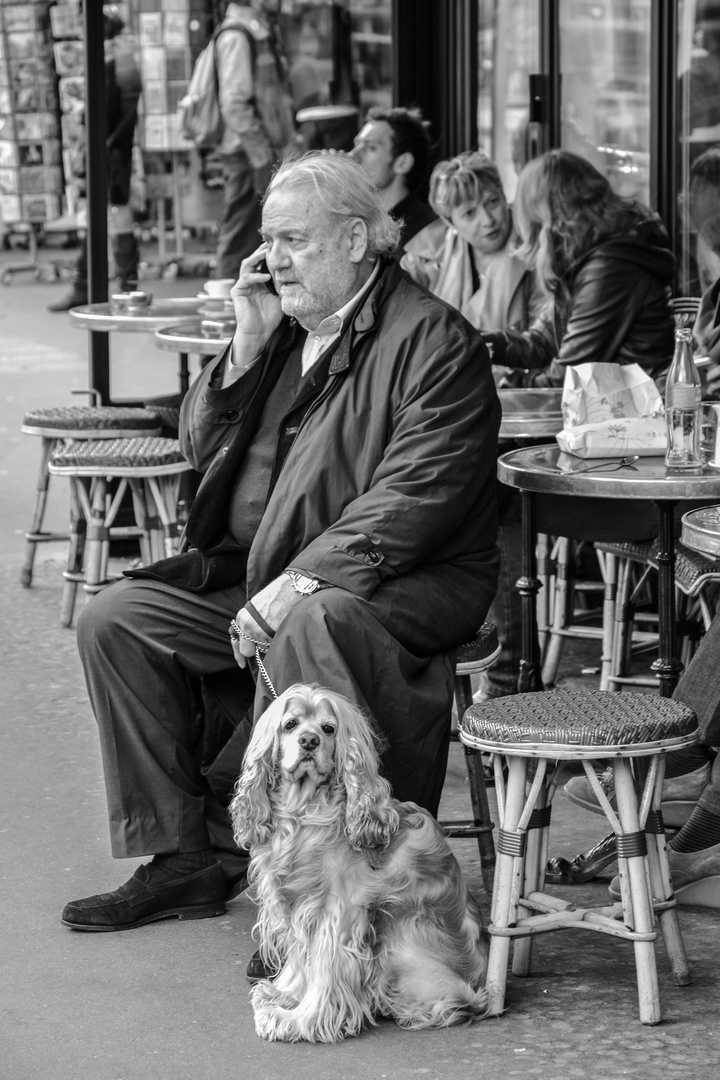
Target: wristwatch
<point>303,584</point>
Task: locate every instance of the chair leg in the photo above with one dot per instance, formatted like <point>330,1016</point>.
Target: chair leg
<point>36,535</point>
<point>637,884</point>
<point>478,789</point>
<point>533,876</point>
<point>508,876</point>
<point>562,611</point>
<point>97,539</point>
<point>610,576</point>
<point>481,816</point>
<point>73,573</point>
<point>660,883</point>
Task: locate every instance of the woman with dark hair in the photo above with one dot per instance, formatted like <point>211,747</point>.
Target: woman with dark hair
<point>605,265</point>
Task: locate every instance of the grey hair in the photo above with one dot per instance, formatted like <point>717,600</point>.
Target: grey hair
<point>344,190</point>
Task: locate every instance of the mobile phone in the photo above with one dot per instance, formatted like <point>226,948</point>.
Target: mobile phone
<point>262,268</point>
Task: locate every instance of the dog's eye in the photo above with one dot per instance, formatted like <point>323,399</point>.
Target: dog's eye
<point>328,729</point>
<point>290,724</point>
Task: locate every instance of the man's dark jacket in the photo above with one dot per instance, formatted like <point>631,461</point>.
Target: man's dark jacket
<point>391,474</point>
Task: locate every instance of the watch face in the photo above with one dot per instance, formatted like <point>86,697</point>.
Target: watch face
<point>303,584</point>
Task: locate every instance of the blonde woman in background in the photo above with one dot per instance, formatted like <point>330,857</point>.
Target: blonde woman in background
<point>467,257</point>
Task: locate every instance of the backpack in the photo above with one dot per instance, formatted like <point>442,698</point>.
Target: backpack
<point>200,117</point>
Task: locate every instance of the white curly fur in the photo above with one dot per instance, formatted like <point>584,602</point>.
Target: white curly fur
<point>363,911</point>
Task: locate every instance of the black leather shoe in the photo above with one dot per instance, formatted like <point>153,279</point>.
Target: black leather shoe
<point>235,885</point>
<point>76,298</point>
<point>149,896</point>
<point>258,969</point>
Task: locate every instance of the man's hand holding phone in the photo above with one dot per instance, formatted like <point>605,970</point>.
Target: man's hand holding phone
<point>257,310</point>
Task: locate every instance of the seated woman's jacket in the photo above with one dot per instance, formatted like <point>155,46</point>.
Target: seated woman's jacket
<point>505,297</point>
<point>618,311</point>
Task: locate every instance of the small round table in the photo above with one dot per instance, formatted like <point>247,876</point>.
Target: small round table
<point>542,473</point>
<point>106,318</point>
<point>188,338</point>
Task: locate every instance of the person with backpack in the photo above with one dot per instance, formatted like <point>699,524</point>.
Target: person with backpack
<point>123,88</point>
<point>257,123</point>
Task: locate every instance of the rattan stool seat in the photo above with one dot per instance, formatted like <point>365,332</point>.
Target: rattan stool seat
<point>633,731</point>
<point>566,723</point>
<point>120,457</point>
<point>90,421</point>
<point>101,473</point>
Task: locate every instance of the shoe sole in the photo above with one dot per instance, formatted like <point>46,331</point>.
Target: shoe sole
<point>702,893</point>
<point>675,813</point>
<point>208,911</point>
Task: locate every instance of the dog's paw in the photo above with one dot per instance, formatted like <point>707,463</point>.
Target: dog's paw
<point>270,1026</point>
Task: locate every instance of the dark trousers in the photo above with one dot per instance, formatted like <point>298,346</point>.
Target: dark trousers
<point>175,713</point>
<point>241,216</point>
<point>699,687</point>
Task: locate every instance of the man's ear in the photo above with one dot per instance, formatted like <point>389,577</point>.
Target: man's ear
<point>358,240</point>
<point>403,163</point>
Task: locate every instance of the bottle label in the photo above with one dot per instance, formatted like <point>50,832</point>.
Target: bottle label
<point>683,397</point>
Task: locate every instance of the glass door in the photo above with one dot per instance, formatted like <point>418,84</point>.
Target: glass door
<point>508,50</point>
<point>698,203</point>
<point>604,59</point>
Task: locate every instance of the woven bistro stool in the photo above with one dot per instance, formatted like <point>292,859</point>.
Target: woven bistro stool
<point>477,655</point>
<point>151,468</point>
<point>634,731</point>
<point>59,425</point>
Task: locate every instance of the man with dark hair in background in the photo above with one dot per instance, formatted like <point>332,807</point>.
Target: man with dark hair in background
<point>393,147</point>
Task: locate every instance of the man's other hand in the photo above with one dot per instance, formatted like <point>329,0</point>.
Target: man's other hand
<point>272,603</point>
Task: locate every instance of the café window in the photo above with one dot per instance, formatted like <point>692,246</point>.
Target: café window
<point>508,35</point>
<point>605,89</point>
<point>698,209</point>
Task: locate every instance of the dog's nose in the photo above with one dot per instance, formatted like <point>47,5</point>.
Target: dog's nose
<point>309,742</point>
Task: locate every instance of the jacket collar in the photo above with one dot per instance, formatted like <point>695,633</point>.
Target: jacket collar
<point>367,314</point>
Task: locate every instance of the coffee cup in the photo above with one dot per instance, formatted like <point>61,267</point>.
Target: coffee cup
<point>219,288</point>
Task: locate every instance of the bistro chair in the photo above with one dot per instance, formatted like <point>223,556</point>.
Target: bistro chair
<point>150,468</point>
<point>545,730</point>
<point>59,425</point>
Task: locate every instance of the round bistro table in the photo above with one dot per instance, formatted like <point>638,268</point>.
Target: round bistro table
<point>555,488</point>
<point>106,318</point>
<point>188,337</point>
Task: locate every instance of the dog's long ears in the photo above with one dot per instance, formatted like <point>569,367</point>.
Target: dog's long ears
<point>250,809</point>
<point>370,818</point>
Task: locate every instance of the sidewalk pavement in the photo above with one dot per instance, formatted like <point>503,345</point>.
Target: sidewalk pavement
<point>169,1001</point>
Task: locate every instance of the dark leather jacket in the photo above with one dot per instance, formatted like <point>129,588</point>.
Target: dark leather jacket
<point>618,312</point>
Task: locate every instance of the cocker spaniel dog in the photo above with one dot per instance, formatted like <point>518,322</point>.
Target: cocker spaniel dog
<point>363,910</point>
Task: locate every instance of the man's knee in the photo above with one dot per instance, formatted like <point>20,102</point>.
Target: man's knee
<point>102,617</point>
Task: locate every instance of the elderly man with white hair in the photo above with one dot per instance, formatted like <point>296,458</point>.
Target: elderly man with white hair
<point>345,525</point>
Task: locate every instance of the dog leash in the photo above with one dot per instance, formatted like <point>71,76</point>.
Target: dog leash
<point>260,647</point>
